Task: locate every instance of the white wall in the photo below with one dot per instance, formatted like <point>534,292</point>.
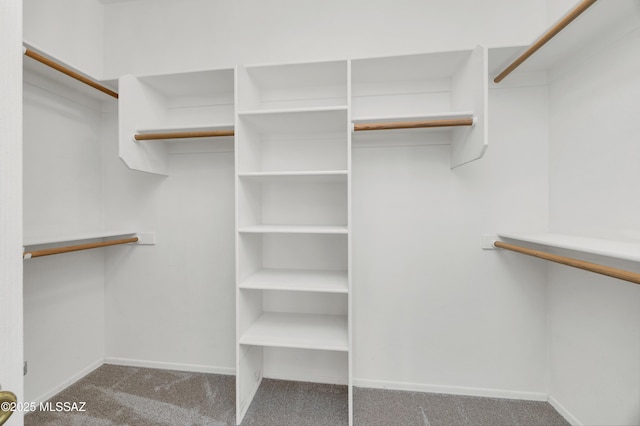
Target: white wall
<point>432,310</point>
<point>594,322</point>
<point>172,305</point>
<point>155,36</point>
<point>63,294</point>
<point>69,30</point>
<point>11,348</point>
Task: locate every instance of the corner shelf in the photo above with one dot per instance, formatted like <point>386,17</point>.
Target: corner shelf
<point>61,239</point>
<point>425,87</point>
<point>302,331</point>
<point>618,249</point>
<point>193,101</point>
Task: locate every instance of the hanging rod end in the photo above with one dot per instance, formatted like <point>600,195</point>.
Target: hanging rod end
<point>488,240</point>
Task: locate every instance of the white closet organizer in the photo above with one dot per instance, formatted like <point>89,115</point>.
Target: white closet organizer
<point>154,110</point>
<point>293,130</point>
<point>445,92</point>
<point>293,198</point>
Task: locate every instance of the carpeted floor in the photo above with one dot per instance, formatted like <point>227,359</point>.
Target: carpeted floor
<point>116,395</point>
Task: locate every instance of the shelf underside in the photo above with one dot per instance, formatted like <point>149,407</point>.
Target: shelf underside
<point>302,331</point>
<point>293,229</point>
<point>298,280</point>
<point>619,249</point>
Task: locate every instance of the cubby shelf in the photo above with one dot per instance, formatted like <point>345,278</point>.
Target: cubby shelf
<point>303,331</point>
<point>323,176</point>
<point>299,120</point>
<point>293,229</point>
<point>298,280</point>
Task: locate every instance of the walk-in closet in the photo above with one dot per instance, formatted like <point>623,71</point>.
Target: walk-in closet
<point>243,212</point>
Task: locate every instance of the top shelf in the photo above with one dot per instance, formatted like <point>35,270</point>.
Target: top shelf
<point>597,27</point>
<point>619,249</point>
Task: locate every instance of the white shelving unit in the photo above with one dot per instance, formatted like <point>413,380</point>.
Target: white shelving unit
<point>293,184</point>
<point>293,126</point>
<point>186,102</point>
<point>425,87</point>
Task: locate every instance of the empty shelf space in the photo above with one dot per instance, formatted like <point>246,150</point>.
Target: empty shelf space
<point>303,120</point>
<point>619,249</point>
<point>304,331</point>
<point>298,280</point>
<point>293,229</point>
<point>323,176</point>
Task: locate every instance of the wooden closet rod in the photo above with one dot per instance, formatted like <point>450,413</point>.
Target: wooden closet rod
<point>71,73</point>
<point>413,124</point>
<point>87,246</point>
<point>551,32</point>
<point>569,261</point>
<point>183,135</point>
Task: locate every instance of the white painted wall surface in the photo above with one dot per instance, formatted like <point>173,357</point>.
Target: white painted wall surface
<point>11,348</point>
<point>63,294</point>
<point>172,305</point>
<point>594,322</point>
<point>214,34</point>
<point>69,30</point>
<point>432,310</point>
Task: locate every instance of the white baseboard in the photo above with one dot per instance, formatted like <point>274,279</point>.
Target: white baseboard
<point>451,390</point>
<point>68,382</point>
<point>564,412</point>
<point>194,368</point>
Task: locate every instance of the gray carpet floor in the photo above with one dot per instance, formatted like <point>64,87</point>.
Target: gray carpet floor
<point>116,395</point>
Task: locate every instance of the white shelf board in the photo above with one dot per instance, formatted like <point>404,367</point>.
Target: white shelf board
<point>298,280</point>
<point>414,117</point>
<point>303,331</point>
<point>194,128</point>
<point>293,229</point>
<point>323,176</point>
<point>56,239</point>
<point>619,249</point>
<point>298,120</point>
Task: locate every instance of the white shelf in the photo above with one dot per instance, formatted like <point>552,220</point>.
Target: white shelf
<point>414,117</point>
<point>191,128</point>
<point>303,331</point>
<point>323,176</point>
<point>298,120</point>
<point>619,249</point>
<point>38,241</point>
<point>293,229</point>
<point>298,280</point>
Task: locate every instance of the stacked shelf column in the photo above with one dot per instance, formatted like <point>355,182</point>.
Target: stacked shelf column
<point>292,247</point>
